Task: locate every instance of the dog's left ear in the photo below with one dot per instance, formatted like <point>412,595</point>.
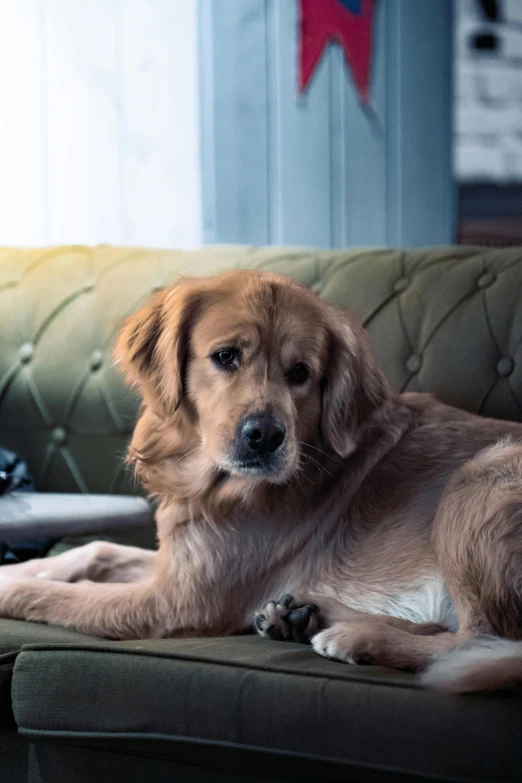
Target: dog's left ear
<point>354,386</point>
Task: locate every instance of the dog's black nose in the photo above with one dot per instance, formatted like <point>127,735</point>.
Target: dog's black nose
<point>262,433</point>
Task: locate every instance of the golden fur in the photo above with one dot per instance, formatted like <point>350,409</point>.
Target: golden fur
<point>395,515</point>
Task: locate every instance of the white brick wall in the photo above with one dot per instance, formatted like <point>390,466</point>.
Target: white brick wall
<point>488,96</point>
<point>513,10</point>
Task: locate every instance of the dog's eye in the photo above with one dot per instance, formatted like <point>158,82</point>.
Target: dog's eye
<point>227,357</point>
<point>298,374</point>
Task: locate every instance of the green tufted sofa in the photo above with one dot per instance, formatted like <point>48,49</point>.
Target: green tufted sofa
<point>73,708</point>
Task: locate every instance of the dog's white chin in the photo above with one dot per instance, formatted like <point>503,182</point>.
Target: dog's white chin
<point>255,472</point>
<point>248,470</point>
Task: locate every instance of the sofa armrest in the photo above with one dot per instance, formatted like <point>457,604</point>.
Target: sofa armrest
<point>25,515</point>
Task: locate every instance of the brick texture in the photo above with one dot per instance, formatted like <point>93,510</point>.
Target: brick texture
<point>488,95</point>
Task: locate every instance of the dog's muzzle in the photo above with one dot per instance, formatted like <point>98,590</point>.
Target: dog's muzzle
<point>258,446</point>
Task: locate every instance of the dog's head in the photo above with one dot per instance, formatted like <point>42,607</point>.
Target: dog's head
<point>259,366</point>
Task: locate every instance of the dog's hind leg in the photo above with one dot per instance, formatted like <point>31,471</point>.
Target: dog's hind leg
<point>373,640</point>
<point>99,561</point>
<point>478,540</point>
<point>477,536</point>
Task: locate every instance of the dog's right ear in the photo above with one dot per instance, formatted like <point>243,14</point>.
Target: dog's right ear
<point>134,351</point>
<point>153,346</point>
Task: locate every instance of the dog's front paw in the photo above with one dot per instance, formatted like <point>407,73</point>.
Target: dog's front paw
<point>284,620</point>
<point>345,642</point>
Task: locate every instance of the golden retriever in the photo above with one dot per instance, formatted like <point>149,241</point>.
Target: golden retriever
<point>285,464</point>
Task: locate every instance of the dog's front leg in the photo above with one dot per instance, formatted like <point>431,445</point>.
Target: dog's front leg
<point>115,611</point>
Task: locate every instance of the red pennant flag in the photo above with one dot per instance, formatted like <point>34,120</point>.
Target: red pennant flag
<point>349,22</point>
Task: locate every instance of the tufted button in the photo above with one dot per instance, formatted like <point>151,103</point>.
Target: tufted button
<point>400,284</point>
<point>96,360</point>
<point>89,284</point>
<point>158,286</point>
<point>26,352</point>
<point>316,286</point>
<point>505,366</point>
<point>59,435</point>
<point>413,363</point>
<point>485,280</point>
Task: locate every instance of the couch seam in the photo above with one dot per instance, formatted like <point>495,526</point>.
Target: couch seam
<point>43,733</point>
<point>215,661</point>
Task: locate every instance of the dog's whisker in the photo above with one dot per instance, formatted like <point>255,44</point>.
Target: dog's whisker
<point>188,454</point>
<point>309,445</point>
<point>316,462</point>
<point>300,472</point>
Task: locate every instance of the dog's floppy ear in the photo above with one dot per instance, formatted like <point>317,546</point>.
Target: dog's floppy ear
<point>153,345</point>
<point>354,386</point>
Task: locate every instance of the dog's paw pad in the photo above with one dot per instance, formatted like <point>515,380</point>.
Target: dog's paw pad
<point>284,620</point>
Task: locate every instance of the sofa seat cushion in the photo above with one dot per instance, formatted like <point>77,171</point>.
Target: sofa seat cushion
<point>13,636</point>
<point>277,699</point>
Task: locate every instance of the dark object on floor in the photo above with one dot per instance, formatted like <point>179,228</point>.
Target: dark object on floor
<point>14,473</point>
<point>15,476</point>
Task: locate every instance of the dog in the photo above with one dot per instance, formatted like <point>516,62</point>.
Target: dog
<point>283,463</point>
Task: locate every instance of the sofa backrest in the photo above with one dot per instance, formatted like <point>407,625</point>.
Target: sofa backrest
<point>444,320</point>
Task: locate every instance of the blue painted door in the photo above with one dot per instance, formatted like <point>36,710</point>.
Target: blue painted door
<point>320,170</point>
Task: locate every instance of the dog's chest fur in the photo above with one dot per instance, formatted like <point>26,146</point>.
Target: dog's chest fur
<point>425,601</point>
